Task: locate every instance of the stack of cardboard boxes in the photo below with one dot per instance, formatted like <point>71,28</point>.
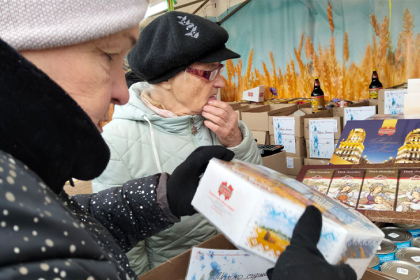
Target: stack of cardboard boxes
<point>258,121</point>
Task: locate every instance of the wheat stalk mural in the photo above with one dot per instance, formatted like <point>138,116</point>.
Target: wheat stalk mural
<point>338,80</point>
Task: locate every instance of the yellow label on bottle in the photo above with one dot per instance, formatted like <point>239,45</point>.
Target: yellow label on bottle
<point>373,93</point>
<point>317,103</point>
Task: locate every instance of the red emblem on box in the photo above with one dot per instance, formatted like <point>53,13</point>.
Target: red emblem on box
<point>386,130</point>
<point>225,190</point>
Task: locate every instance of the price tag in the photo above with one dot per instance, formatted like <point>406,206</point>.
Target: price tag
<point>335,125</point>
<point>289,162</point>
<point>393,235</point>
<point>401,270</point>
<point>416,258</point>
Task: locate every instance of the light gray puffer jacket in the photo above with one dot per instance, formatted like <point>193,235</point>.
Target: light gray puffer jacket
<point>143,143</point>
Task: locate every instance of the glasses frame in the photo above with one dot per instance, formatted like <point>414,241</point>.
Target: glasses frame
<point>208,75</point>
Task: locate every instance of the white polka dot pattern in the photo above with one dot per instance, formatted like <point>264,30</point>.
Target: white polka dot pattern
<point>41,24</point>
<point>79,237</point>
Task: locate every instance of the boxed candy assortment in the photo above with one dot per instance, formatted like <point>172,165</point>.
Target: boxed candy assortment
<point>382,139</point>
<point>318,179</point>
<point>257,209</point>
<point>345,186</point>
<point>373,189</point>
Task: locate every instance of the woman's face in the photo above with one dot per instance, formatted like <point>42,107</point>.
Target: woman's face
<point>377,189</point>
<point>379,200</point>
<point>193,92</point>
<point>91,72</point>
<point>346,189</point>
<point>416,195</point>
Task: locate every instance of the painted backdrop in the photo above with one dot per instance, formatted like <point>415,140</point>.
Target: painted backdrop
<point>287,43</point>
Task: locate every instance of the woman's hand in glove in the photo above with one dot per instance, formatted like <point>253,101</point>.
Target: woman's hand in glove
<point>302,259</point>
<point>183,182</point>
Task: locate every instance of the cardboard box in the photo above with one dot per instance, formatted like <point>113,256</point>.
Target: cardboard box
<point>276,162</point>
<point>315,161</point>
<point>300,148</point>
<point>262,137</point>
<point>258,118</point>
<point>379,141</point>
<point>177,267</point>
<point>294,164</point>
<point>238,110</point>
<point>264,224</point>
<point>308,152</point>
<point>391,101</point>
<point>254,94</point>
<point>299,120</point>
<point>339,111</point>
<point>339,128</point>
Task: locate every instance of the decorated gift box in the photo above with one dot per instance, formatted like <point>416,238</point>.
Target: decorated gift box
<point>318,179</point>
<point>409,191</point>
<point>345,186</point>
<point>377,141</point>
<point>257,209</point>
<point>379,190</point>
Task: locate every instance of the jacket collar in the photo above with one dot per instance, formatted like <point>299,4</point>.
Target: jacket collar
<point>42,126</point>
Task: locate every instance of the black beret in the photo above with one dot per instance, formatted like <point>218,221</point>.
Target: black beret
<point>175,40</point>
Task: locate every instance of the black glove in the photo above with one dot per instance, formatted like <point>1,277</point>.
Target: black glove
<point>183,182</point>
<point>302,259</point>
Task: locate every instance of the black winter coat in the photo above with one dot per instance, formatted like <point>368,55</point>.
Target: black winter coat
<point>45,140</point>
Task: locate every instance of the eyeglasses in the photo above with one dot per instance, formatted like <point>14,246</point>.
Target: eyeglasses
<point>208,75</point>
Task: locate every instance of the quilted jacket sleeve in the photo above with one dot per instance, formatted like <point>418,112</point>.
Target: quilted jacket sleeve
<point>131,213</point>
<point>247,150</point>
<point>115,174</point>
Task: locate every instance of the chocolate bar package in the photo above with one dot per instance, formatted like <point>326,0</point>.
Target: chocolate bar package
<point>345,186</point>
<point>408,199</point>
<point>257,209</point>
<point>379,190</point>
<point>379,141</point>
<point>318,179</point>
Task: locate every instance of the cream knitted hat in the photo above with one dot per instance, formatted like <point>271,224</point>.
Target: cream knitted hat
<point>42,24</point>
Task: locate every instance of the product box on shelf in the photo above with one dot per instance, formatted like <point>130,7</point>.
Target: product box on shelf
<point>276,162</point>
<point>294,146</point>
<point>315,161</point>
<point>324,159</point>
<point>319,180</point>
<point>378,140</point>
<point>258,118</point>
<point>345,186</point>
<point>338,126</point>
<point>391,100</point>
<point>408,191</point>
<point>261,137</point>
<point>293,164</point>
<point>239,108</point>
<point>254,94</point>
<point>274,203</point>
<point>297,121</point>
<point>339,111</point>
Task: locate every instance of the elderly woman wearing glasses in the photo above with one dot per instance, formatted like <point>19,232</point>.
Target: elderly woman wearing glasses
<point>172,112</point>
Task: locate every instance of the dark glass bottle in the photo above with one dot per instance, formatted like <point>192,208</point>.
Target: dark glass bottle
<point>317,97</point>
<point>374,86</point>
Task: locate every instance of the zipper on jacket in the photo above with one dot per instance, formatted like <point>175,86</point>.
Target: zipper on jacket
<point>193,130</point>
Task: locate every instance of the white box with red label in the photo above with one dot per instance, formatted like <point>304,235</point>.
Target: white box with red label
<point>257,209</point>
<point>254,94</point>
